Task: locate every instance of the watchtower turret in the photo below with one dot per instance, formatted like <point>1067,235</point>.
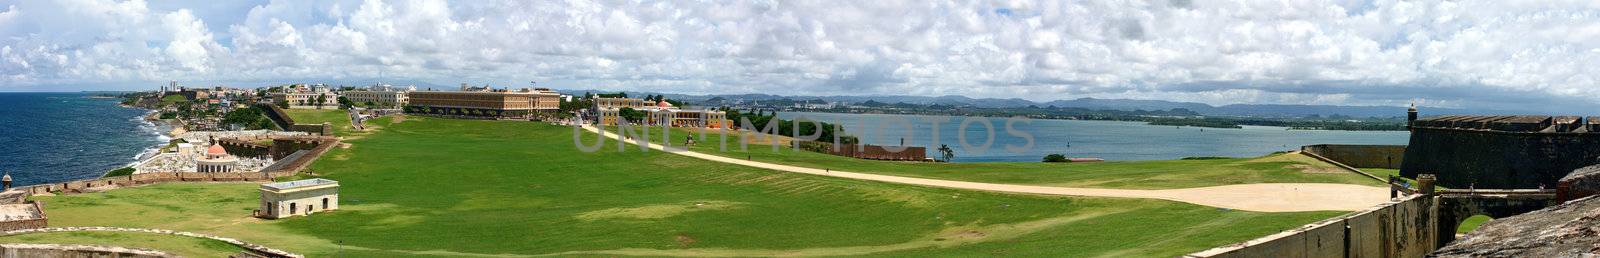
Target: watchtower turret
<point>1411,115</point>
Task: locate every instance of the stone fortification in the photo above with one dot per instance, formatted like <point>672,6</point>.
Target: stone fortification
<point>1501,152</point>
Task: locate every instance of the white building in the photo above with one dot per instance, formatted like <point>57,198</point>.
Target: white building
<point>295,198</point>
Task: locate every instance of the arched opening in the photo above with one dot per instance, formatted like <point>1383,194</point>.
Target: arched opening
<point>324,203</point>
<point>1472,223</point>
<point>292,208</point>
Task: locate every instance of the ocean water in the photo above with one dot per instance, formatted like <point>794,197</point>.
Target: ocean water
<point>56,137</point>
<point>1110,140</point>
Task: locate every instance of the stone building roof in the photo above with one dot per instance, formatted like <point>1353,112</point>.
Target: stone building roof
<point>299,184</point>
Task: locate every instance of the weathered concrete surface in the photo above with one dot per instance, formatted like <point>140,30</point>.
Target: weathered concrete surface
<point>1582,182</point>
<point>1567,230</point>
<point>1403,228</point>
<point>75,251</point>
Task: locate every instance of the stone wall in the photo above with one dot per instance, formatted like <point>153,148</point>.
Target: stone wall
<point>244,148</point>
<point>873,152</point>
<point>288,168</point>
<point>282,119</point>
<point>75,251</point>
<point>1402,228</point>
<point>1498,159</point>
<point>256,249</point>
<point>41,222</point>
<point>1361,156</point>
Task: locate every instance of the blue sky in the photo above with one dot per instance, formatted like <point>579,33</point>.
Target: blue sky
<point>1477,54</point>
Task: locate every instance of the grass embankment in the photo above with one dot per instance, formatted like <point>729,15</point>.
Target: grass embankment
<point>1159,174</point>
<point>439,187</point>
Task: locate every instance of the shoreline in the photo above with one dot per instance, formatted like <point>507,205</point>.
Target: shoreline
<point>149,124</point>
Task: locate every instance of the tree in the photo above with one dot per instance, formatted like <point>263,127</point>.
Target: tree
<point>946,153</point>
<point>320,99</point>
<point>631,114</point>
<point>344,103</point>
<point>371,104</point>
<point>284,104</point>
<point>1056,158</point>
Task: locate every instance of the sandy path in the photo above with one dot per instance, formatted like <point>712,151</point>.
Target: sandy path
<point>1287,197</point>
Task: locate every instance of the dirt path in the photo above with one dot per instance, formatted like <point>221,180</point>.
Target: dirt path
<point>1285,197</point>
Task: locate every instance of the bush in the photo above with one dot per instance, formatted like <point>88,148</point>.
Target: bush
<point>120,172</point>
<point>1056,158</point>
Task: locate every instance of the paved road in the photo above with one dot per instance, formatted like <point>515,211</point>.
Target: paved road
<point>1286,197</point>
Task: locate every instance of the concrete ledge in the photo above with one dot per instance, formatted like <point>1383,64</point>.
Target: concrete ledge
<point>266,251</point>
<point>55,250</point>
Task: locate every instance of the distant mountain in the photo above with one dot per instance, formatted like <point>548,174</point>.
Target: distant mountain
<point>1247,110</point>
<point>1129,104</point>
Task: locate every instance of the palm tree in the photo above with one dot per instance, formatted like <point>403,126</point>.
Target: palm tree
<point>946,153</point>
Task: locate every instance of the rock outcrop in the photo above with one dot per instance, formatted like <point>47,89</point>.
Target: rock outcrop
<point>1580,183</point>
<point>1571,229</point>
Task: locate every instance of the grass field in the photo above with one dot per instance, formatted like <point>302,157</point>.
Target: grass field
<point>335,117</point>
<point>173,99</point>
<point>439,187</point>
<point>1159,174</point>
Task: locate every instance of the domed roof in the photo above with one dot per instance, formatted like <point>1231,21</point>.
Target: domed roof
<point>216,149</point>
<point>663,104</point>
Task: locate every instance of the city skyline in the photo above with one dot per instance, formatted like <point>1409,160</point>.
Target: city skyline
<point>1449,54</point>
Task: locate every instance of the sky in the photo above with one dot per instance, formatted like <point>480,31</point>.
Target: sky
<point>1471,54</point>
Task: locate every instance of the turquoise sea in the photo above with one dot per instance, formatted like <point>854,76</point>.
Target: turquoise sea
<point>1111,140</point>
<point>55,137</point>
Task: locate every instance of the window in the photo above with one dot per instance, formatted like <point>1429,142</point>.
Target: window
<point>292,208</point>
<point>324,202</point>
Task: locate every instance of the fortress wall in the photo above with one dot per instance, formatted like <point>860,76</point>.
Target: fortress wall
<point>244,148</point>
<point>874,152</point>
<point>254,250</point>
<point>1403,228</point>
<point>87,251</point>
<point>1499,160</point>
<point>1361,156</point>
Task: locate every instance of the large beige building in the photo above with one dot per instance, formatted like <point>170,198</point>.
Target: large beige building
<point>378,98</point>
<point>295,198</point>
<point>493,103</point>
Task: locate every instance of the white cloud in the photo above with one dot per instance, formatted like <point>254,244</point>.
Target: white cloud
<point>1326,52</point>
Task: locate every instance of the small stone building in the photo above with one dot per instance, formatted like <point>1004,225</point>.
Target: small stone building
<point>301,197</point>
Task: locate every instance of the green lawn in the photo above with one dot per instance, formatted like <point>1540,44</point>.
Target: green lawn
<point>173,99</point>
<point>440,187</point>
<point>1472,223</point>
<point>1159,174</point>
<point>333,116</point>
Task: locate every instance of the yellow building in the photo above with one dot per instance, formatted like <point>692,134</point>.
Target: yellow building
<point>661,113</point>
